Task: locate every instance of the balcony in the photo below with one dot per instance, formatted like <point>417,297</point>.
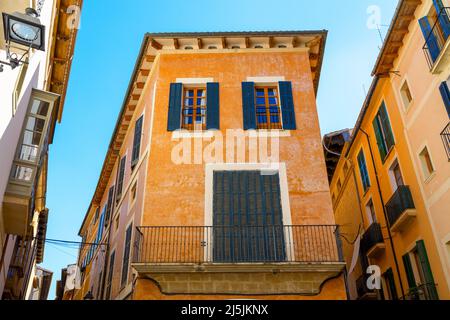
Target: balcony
<point>364,293</point>
<point>31,151</point>
<point>400,209</point>
<point>372,243</point>
<point>445,135</point>
<point>278,259</point>
<point>436,46</point>
<point>422,292</point>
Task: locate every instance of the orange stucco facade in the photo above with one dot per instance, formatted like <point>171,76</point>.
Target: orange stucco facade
<point>158,191</point>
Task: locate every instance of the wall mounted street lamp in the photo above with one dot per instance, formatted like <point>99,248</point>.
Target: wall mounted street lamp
<point>23,29</point>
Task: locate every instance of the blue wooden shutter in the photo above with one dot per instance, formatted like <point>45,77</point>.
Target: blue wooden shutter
<point>426,268</point>
<point>287,105</point>
<point>212,106</point>
<point>443,18</point>
<point>137,141</point>
<point>445,93</point>
<point>248,105</point>
<point>174,117</point>
<point>430,38</point>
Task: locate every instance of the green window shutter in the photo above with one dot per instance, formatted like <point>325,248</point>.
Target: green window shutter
<point>409,271</point>
<point>248,105</point>
<point>387,129</point>
<point>137,141</point>
<point>390,277</point>
<point>212,106</point>
<point>287,105</point>
<point>426,268</point>
<point>380,140</point>
<point>174,116</point>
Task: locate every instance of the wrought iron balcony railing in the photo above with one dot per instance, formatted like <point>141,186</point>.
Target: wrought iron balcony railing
<point>364,293</point>
<point>372,237</point>
<point>237,244</point>
<point>446,140</point>
<point>437,38</point>
<point>401,201</point>
<point>422,292</point>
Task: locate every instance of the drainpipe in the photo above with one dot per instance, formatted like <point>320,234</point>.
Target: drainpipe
<point>385,214</point>
<point>105,264</point>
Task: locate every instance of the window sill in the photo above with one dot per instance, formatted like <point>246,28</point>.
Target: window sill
<point>430,178</point>
<point>268,133</point>
<point>183,134</point>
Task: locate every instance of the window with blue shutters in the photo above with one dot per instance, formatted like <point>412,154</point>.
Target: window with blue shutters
<point>194,108</point>
<point>364,173</point>
<point>268,107</point>
<point>445,93</point>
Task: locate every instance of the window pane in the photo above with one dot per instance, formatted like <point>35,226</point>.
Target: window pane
<point>260,92</point>
<point>189,93</point>
<point>274,119</point>
<point>40,107</point>
<point>260,110</point>
<point>200,93</point>
<point>272,92</point>
<point>28,153</point>
<point>273,101</point>
<point>22,173</point>
<point>188,111</point>
<point>35,124</point>
<point>31,138</point>
<point>261,101</point>
<point>273,109</point>
<point>189,102</point>
<point>262,119</point>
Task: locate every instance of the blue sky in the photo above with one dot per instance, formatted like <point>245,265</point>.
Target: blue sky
<point>107,46</point>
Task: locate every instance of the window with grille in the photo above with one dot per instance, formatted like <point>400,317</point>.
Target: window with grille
<point>267,108</point>
<point>194,109</point>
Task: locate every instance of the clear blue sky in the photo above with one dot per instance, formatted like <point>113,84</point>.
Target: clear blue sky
<point>107,46</point>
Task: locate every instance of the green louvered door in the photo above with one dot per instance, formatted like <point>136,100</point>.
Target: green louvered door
<point>247,217</point>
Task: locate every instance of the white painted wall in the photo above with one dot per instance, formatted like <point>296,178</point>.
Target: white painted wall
<point>11,125</point>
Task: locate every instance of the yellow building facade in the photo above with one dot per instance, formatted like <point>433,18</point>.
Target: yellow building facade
<point>390,176</point>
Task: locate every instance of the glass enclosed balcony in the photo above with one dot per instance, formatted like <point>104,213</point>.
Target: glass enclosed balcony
<point>18,203</point>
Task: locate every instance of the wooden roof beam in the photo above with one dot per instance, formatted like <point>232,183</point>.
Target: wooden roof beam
<point>155,44</point>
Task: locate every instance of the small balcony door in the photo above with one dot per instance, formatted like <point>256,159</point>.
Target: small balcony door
<point>247,218</point>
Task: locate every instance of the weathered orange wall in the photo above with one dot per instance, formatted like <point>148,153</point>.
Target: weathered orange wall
<point>147,289</point>
<point>175,194</point>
